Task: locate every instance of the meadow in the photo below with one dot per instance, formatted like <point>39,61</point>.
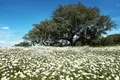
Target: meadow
<point>60,63</point>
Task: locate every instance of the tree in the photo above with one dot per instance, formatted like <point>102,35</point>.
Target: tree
<point>73,23</point>
<point>23,44</point>
<point>32,36</point>
<point>113,39</point>
<point>85,22</point>
<point>42,33</point>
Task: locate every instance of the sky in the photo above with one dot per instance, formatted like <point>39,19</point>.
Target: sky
<point>17,16</point>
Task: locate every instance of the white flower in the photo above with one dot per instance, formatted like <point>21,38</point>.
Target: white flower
<point>22,75</point>
<point>46,73</point>
<point>0,64</point>
<point>15,62</point>
<point>102,76</point>
<point>44,78</point>
<point>37,71</point>
<point>64,71</point>
<point>61,77</point>
<point>4,78</point>
<point>117,78</point>
<point>54,73</point>
<point>28,73</point>
<point>71,78</point>
<point>94,76</point>
<point>67,77</point>
<point>52,61</point>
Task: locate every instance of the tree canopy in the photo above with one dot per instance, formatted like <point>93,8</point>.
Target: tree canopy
<point>73,23</point>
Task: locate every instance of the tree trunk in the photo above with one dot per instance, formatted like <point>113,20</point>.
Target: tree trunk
<point>72,43</point>
<point>33,43</point>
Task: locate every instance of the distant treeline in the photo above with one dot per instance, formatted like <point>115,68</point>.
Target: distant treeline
<point>110,40</point>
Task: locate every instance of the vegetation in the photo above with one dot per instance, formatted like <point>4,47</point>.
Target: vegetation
<point>23,44</point>
<point>73,25</point>
<point>110,40</point>
<point>113,39</point>
<point>60,63</point>
<point>70,24</point>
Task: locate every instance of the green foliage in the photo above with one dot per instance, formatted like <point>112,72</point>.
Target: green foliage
<point>23,44</point>
<point>110,40</point>
<point>113,39</point>
<point>69,21</point>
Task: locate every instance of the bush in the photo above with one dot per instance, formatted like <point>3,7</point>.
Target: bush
<point>23,44</point>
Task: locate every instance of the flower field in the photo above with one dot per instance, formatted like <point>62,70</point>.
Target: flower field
<point>60,63</point>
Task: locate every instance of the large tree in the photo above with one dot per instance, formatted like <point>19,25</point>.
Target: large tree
<point>84,22</point>
<point>73,22</point>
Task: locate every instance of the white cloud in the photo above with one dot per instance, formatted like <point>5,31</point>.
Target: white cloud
<point>8,36</point>
<point>4,43</point>
<point>5,28</point>
<point>16,42</point>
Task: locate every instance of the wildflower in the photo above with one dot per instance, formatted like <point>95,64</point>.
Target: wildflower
<point>22,75</point>
<point>4,78</point>
<point>67,77</point>
<point>61,77</point>
<point>117,78</point>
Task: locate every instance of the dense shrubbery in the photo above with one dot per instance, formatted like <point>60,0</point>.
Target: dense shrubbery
<point>23,44</point>
<point>113,39</point>
<point>110,40</point>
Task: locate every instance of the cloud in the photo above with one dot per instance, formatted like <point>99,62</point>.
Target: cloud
<point>2,43</point>
<point>5,28</point>
<point>8,36</point>
<point>18,41</point>
<point>5,35</point>
<point>5,43</point>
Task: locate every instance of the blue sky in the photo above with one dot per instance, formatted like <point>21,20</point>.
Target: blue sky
<point>17,16</point>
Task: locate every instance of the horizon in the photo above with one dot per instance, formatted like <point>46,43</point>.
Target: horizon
<point>17,16</point>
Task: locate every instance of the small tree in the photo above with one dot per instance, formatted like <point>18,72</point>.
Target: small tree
<point>23,44</point>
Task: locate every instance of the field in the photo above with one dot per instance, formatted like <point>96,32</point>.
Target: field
<point>60,63</point>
